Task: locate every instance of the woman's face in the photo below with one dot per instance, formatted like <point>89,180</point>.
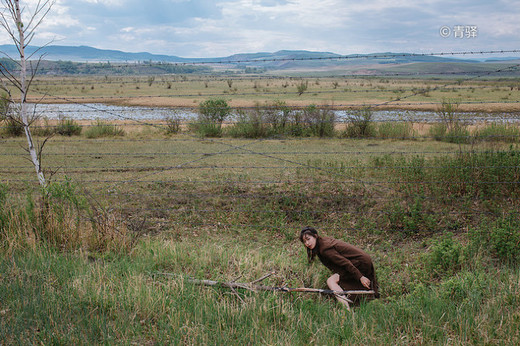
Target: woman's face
<point>309,241</point>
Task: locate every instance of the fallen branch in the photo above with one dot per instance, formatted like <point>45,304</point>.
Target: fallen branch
<point>253,286</point>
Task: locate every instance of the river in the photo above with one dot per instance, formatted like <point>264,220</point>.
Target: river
<point>98,111</point>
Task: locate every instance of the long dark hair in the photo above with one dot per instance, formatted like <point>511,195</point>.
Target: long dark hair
<point>311,253</point>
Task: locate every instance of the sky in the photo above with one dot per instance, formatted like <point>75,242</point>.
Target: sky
<point>218,28</point>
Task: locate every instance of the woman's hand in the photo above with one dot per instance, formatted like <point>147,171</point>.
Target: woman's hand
<point>365,282</point>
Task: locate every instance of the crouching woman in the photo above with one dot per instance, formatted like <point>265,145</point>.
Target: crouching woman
<point>352,267</point>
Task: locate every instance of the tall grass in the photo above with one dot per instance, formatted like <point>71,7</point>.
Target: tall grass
<point>103,129</point>
<point>494,132</point>
<point>57,298</point>
<point>395,130</point>
<point>278,120</point>
<point>60,218</point>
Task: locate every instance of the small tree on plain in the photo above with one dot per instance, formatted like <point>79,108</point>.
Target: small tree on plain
<point>22,33</point>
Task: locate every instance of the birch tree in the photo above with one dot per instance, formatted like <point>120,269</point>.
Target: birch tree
<point>21,24</point>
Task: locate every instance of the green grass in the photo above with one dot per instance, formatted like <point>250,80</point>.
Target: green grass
<point>446,274</point>
<point>48,297</point>
<point>104,129</point>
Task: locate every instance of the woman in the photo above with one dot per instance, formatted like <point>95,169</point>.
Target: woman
<point>352,267</point>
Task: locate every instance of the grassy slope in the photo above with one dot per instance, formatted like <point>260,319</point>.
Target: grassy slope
<point>67,298</point>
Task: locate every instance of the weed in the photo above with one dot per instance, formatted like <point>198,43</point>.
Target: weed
<point>13,127</point>
<point>446,256</point>
<point>103,129</point>
<point>500,238</point>
<point>360,123</point>
<point>173,124</point>
<point>68,127</point>
<point>319,121</point>
<point>498,132</point>
<point>395,130</point>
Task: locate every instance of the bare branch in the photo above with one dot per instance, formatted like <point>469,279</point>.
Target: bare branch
<point>252,287</point>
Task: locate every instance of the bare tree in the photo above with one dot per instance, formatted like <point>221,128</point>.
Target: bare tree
<point>22,33</point>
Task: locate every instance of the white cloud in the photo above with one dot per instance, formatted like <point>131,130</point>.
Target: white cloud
<point>206,28</point>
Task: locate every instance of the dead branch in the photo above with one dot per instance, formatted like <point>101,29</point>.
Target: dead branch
<point>252,286</point>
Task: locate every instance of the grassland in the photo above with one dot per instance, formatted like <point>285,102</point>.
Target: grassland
<point>103,255</point>
<point>474,94</point>
<point>435,216</point>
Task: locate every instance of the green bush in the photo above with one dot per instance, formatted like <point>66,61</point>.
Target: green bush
<point>13,127</point>
<point>319,121</point>
<point>250,124</point>
<point>451,129</point>
<point>68,127</point>
<point>360,123</point>
<point>446,256</point>
<point>214,110</point>
<point>4,106</point>
<point>395,130</point>
<point>212,113</point>
<point>103,129</point>
<point>498,133</point>
<point>500,238</point>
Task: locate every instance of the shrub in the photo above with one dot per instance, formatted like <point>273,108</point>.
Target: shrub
<point>319,121</point>
<point>451,129</point>
<point>4,106</point>
<point>500,238</point>
<point>446,256</point>
<point>498,132</point>
<point>13,127</point>
<point>278,115</point>
<point>395,130</point>
<point>103,129</point>
<point>68,127</point>
<point>360,123</point>
<point>214,111</point>
<point>212,114</point>
<point>301,87</point>
<point>173,124</point>
<point>250,125</point>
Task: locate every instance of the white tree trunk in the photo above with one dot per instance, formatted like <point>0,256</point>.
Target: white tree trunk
<point>24,115</point>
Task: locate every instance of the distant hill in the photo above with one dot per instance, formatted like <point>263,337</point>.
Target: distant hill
<point>87,54</point>
<point>297,61</point>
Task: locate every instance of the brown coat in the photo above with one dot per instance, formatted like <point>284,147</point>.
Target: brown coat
<point>350,262</point>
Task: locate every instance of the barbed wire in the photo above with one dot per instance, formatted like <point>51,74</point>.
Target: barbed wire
<point>340,57</point>
<point>460,152</point>
<point>280,181</point>
<point>217,167</point>
<point>233,78</point>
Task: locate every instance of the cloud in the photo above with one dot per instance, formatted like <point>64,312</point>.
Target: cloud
<point>208,28</point>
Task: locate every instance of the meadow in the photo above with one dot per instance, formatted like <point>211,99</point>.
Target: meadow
<point>475,94</point>
<point>132,211</point>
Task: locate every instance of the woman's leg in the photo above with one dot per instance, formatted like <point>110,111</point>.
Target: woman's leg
<point>333,283</point>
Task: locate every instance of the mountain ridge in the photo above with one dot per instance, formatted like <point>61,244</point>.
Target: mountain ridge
<point>91,54</point>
